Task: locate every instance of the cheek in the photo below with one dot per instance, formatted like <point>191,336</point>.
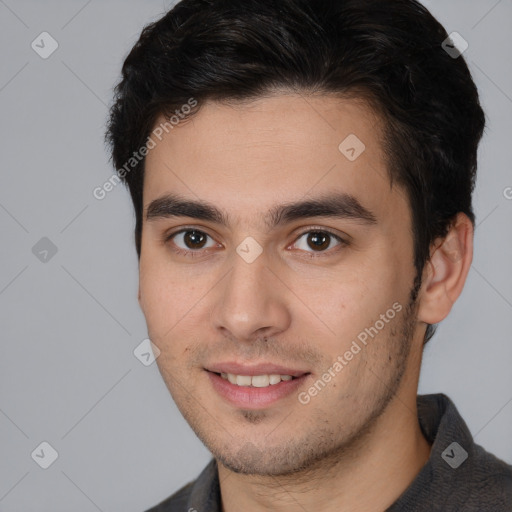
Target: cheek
<point>158,298</point>
<point>351,300</point>
<point>170,303</point>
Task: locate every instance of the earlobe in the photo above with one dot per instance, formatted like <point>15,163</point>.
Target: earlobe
<point>446,272</point>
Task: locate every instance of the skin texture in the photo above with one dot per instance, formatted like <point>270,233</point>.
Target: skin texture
<point>357,444</point>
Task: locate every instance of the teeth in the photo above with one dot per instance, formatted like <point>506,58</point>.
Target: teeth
<point>243,380</point>
<point>274,379</point>
<point>257,381</point>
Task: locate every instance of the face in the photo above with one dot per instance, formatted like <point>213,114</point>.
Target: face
<point>270,250</point>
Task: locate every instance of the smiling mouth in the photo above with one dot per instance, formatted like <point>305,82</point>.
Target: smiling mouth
<point>255,381</point>
<point>257,391</point>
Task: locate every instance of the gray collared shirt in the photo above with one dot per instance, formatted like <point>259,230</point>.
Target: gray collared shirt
<point>460,476</point>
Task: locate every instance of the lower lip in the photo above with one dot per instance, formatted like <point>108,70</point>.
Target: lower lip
<point>249,397</point>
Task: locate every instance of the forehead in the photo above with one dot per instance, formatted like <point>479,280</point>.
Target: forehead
<point>250,157</point>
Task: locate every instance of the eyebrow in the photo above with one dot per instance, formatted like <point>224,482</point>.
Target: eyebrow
<point>337,205</point>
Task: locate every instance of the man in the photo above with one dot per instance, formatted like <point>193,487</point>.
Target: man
<point>301,173</point>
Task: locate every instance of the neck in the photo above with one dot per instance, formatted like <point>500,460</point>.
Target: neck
<point>369,475</point>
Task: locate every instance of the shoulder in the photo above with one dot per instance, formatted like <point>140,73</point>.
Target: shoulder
<point>491,481</point>
<point>460,475</point>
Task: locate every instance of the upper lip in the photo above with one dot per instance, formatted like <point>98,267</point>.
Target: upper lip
<point>254,369</point>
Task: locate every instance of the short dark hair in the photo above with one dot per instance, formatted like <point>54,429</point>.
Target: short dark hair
<point>386,52</point>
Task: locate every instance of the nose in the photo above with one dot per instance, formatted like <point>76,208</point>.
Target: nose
<point>251,303</point>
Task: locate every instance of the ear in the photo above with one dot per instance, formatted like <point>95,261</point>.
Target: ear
<point>446,271</point>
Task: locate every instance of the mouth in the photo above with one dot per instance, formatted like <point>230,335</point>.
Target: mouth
<point>256,381</point>
<point>253,389</point>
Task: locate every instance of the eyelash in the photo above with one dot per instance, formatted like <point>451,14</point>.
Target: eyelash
<point>312,255</point>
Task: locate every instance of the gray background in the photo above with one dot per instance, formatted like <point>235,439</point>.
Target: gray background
<point>70,325</point>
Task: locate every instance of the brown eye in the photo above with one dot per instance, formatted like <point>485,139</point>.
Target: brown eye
<point>194,239</point>
<point>318,241</point>
<point>190,240</point>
